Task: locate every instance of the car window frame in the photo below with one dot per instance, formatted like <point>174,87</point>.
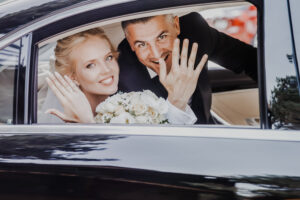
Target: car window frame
<point>42,37</point>
<point>20,84</point>
<point>31,109</point>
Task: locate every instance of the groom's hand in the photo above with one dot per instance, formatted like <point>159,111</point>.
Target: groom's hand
<point>182,79</point>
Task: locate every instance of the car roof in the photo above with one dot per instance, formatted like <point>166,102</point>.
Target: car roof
<point>14,13</point>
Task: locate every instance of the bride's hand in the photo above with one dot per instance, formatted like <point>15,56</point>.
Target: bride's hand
<point>76,106</point>
<point>182,79</point>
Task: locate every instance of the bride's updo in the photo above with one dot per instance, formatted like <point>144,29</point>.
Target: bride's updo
<point>64,47</point>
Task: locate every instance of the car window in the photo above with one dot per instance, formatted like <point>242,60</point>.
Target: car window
<point>9,62</point>
<point>239,22</point>
<point>230,92</point>
<point>281,79</point>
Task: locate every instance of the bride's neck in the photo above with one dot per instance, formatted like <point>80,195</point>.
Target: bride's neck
<point>95,100</point>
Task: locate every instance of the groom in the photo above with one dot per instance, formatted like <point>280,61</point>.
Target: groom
<point>151,39</point>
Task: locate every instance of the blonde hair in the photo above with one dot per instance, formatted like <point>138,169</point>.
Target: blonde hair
<point>64,47</point>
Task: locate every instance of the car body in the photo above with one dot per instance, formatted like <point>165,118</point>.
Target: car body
<point>104,161</point>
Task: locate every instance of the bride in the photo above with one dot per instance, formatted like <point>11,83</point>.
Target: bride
<point>88,73</point>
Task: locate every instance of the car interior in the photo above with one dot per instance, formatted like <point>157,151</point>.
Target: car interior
<point>235,99</point>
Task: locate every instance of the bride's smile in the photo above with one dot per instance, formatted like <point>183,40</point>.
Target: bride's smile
<point>107,81</point>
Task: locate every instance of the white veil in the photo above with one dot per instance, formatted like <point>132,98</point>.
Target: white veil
<point>46,98</point>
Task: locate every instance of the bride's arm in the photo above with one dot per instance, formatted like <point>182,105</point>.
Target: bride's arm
<point>76,106</point>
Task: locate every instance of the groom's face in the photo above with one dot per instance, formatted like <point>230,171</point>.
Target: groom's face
<point>153,40</point>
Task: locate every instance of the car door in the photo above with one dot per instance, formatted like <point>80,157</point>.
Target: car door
<point>106,161</point>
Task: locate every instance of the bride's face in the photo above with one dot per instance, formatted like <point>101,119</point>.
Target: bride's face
<point>96,68</point>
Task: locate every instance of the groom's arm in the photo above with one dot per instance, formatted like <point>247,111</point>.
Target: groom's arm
<point>223,49</point>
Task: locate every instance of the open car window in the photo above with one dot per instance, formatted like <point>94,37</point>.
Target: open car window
<point>234,96</point>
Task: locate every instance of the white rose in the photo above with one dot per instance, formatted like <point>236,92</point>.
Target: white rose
<point>100,108</point>
<point>139,109</point>
<point>135,98</point>
<point>119,109</point>
<point>148,100</point>
<point>98,118</point>
<point>152,113</point>
<point>123,118</point>
<point>142,119</point>
<point>109,107</point>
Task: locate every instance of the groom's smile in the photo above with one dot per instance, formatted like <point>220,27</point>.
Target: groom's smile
<point>165,57</point>
<point>153,39</point>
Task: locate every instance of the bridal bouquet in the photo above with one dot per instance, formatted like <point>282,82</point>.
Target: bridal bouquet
<point>134,107</point>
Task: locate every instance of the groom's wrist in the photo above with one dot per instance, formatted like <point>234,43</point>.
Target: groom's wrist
<point>178,103</point>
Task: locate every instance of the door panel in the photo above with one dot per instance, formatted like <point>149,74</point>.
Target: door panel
<point>163,167</point>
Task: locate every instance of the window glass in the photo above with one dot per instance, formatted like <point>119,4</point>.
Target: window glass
<point>9,62</point>
<point>239,22</point>
<point>230,89</point>
<point>281,82</point>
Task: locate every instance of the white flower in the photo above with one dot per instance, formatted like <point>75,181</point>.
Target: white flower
<point>150,93</point>
<point>106,117</point>
<point>124,118</point>
<point>152,113</point>
<point>148,100</point>
<point>109,107</point>
<point>133,107</point>
<point>139,109</point>
<point>119,110</point>
<point>100,108</point>
<point>143,119</point>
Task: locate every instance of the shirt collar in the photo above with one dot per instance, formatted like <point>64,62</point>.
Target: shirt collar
<point>152,73</point>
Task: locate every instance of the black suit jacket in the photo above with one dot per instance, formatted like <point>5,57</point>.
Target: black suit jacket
<point>221,48</point>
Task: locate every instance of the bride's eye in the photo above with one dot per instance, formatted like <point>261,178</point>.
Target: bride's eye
<point>89,66</point>
<point>109,58</point>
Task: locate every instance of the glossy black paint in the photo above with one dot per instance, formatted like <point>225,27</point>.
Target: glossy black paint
<point>66,182</point>
<point>12,20</point>
<point>102,166</point>
<point>265,121</point>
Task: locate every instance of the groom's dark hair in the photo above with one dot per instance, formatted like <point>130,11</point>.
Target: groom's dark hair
<point>135,21</point>
<point>124,24</point>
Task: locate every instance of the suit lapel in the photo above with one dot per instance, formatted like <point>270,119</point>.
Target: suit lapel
<point>158,88</point>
